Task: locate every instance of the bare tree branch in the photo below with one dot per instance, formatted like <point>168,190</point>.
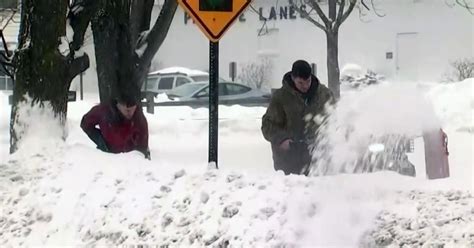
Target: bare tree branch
<point>348,12</point>
<point>332,10</point>
<point>468,6</point>
<point>340,13</point>
<point>4,42</point>
<point>5,58</point>
<point>10,19</point>
<point>78,65</point>
<point>140,17</point>
<point>376,11</point>
<point>80,15</point>
<point>462,69</point>
<point>307,16</point>
<point>365,5</point>
<point>157,34</point>
<point>5,68</point>
<point>324,18</point>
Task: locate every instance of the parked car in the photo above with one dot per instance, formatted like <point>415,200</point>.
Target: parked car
<point>167,79</point>
<point>228,91</point>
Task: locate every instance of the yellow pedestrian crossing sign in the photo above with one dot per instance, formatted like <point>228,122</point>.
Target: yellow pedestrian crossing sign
<point>214,17</point>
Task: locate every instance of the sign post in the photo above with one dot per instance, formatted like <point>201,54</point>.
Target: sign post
<point>214,17</point>
<point>213,100</point>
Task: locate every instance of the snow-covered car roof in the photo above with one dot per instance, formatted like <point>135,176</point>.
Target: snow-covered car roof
<point>181,70</point>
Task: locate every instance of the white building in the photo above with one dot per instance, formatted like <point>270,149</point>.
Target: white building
<point>9,24</point>
<point>414,40</point>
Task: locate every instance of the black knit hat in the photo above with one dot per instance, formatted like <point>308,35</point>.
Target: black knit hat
<point>301,69</point>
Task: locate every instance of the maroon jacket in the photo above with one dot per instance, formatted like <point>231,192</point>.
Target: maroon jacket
<point>116,134</point>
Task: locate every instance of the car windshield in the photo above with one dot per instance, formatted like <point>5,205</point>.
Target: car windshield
<point>185,90</point>
<point>200,78</point>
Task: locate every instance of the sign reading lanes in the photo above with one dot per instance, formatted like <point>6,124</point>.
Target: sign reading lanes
<point>214,17</point>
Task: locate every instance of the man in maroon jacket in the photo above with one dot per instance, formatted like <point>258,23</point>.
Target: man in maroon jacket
<point>122,126</point>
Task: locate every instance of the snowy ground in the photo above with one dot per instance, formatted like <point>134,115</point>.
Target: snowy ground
<point>69,193</point>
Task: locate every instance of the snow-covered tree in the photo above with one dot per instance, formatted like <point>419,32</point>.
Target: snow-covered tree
<point>46,60</point>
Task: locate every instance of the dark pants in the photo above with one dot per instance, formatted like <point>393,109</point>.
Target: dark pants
<point>294,161</point>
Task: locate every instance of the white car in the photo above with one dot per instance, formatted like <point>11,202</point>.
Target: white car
<point>167,79</point>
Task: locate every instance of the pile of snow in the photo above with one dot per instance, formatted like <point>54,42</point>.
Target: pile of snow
<point>162,97</point>
<point>454,104</point>
<point>425,221</point>
<point>75,195</point>
<point>176,69</point>
<point>352,70</point>
<point>38,125</point>
<point>69,193</point>
<point>353,77</point>
<point>5,111</point>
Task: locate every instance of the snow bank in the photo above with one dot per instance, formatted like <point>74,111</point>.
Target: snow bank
<point>162,97</point>
<point>5,110</point>
<point>69,193</point>
<point>75,195</point>
<point>454,104</point>
<point>37,124</point>
<point>430,219</point>
<point>352,70</point>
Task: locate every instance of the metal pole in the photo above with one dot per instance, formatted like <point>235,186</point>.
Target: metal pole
<point>81,86</point>
<point>150,103</point>
<point>314,68</point>
<point>213,101</point>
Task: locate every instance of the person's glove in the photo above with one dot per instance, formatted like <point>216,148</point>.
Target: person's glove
<point>101,144</point>
<point>96,136</point>
<point>147,154</point>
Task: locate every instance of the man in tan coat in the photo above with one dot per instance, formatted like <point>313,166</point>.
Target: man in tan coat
<point>289,123</point>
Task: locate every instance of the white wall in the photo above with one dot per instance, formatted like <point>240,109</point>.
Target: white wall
<point>443,34</point>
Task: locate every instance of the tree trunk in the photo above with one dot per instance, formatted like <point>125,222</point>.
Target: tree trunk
<point>118,34</point>
<point>115,50</point>
<point>333,62</point>
<point>42,73</point>
<point>106,36</point>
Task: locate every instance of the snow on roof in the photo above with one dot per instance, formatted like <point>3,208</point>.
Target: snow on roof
<point>184,70</point>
